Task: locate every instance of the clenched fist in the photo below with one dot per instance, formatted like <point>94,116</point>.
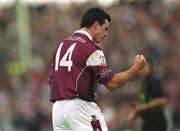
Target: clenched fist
<point>139,62</point>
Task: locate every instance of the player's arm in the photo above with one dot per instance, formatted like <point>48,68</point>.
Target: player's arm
<point>139,108</point>
<point>158,102</point>
<point>121,78</point>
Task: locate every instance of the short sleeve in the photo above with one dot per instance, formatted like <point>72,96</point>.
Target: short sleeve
<point>97,64</point>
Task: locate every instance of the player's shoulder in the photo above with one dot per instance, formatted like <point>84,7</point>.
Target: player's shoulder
<point>91,47</point>
<point>85,42</point>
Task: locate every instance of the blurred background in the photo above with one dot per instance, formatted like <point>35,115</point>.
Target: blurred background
<point>31,29</point>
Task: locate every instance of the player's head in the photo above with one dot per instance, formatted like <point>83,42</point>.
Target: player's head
<point>98,20</point>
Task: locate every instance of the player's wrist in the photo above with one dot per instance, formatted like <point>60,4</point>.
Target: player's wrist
<point>133,71</point>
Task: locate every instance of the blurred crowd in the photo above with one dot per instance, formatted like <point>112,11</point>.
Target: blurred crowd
<point>149,28</point>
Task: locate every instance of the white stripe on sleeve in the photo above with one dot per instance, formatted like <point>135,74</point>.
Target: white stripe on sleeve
<point>96,58</point>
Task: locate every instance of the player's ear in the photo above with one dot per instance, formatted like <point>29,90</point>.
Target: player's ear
<point>96,25</point>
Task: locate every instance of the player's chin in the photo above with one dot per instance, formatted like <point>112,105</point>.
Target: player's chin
<point>98,40</point>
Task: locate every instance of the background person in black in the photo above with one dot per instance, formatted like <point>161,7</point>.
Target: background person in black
<point>151,102</point>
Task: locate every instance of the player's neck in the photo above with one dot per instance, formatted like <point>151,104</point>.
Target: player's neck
<point>89,30</point>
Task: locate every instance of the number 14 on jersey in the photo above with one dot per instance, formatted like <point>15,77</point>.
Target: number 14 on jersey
<point>66,60</point>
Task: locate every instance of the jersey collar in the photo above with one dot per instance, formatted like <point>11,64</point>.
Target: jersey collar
<point>84,32</point>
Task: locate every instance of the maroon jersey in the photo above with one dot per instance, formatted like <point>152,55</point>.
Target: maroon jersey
<point>76,63</point>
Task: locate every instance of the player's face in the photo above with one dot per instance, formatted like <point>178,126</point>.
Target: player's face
<point>101,31</point>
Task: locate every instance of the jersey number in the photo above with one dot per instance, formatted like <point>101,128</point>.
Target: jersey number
<point>66,59</point>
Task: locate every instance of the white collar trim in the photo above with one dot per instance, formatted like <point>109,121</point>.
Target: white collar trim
<point>84,32</point>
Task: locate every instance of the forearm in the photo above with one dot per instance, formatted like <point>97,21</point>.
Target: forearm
<point>119,79</point>
<point>156,102</point>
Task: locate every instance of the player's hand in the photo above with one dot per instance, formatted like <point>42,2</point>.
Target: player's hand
<point>134,113</point>
<point>139,62</point>
<point>131,116</point>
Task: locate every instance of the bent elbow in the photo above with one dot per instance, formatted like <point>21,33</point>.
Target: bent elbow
<point>116,82</point>
<point>110,86</point>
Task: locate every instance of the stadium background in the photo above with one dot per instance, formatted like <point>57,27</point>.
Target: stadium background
<point>30,31</point>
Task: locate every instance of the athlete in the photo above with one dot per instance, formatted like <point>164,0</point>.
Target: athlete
<point>76,64</point>
<point>152,101</point>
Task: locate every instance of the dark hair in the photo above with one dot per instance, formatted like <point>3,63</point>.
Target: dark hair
<point>92,15</point>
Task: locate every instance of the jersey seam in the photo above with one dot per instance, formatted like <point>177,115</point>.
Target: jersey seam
<point>78,79</point>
